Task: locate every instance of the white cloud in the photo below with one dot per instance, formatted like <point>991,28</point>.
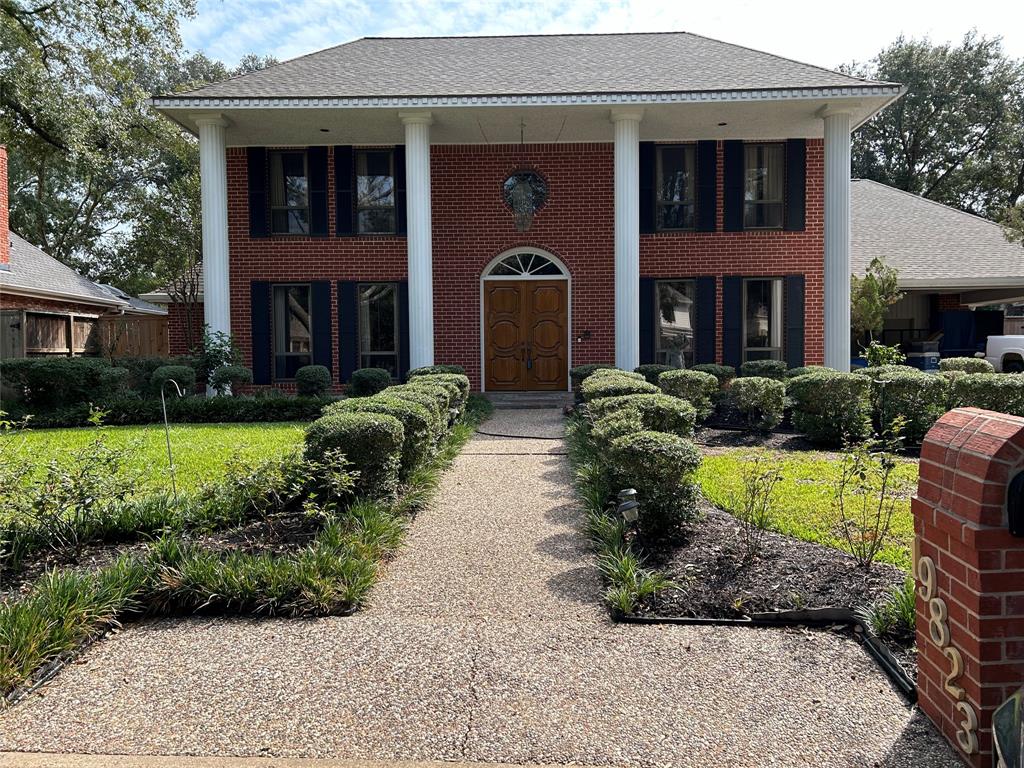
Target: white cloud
<point>818,32</point>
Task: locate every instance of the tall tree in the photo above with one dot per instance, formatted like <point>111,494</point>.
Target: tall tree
<point>957,135</point>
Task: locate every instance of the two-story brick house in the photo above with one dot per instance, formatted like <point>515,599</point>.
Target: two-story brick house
<point>520,205</point>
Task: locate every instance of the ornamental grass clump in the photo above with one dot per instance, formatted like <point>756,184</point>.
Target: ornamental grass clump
<point>698,387</point>
<point>614,384</point>
<point>766,369</point>
<point>966,364</point>
<point>761,400</point>
<point>371,442</point>
<point>1000,392</point>
<point>831,408</point>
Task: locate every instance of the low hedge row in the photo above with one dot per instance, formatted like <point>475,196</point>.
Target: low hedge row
<point>760,399</point>
<point>695,386</point>
<point>658,412</point>
<point>831,408</point>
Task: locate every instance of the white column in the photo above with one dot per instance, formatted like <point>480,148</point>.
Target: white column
<point>213,174</point>
<point>627,238</point>
<point>419,237</point>
<point>837,239</point>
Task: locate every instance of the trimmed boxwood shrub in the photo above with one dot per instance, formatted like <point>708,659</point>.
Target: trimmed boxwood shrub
<point>831,408</point>
<point>966,364</point>
<point>626,421</point>
<point>919,397</point>
<point>595,387</point>
<point>658,412</point>
<point>581,372</point>
<point>446,389</point>
<point>368,381</point>
<point>431,370</point>
<point>724,373</point>
<point>184,376</point>
<point>372,443</point>
<point>651,371</point>
<point>51,382</point>
<point>660,467</point>
<point>230,377</point>
<point>459,380</point>
<point>416,421</point>
<point>313,380</point>
<point>695,386</point>
<point>434,400</point>
<point>140,371</point>
<point>1001,392</point>
<point>761,400</point>
<point>803,370</point>
<point>875,372</point>
<point>766,369</point>
<point>601,373</point>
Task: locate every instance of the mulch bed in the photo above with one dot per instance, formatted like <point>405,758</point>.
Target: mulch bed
<point>717,437</point>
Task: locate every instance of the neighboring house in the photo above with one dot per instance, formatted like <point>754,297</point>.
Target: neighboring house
<point>957,269</point>
<point>46,308</point>
<point>520,205</point>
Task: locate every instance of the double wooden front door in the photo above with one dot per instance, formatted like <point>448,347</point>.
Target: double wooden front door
<point>526,334</point>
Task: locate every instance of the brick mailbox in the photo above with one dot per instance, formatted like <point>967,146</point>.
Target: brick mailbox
<point>969,568</point>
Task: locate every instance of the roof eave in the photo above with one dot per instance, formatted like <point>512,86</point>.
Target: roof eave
<point>75,298</point>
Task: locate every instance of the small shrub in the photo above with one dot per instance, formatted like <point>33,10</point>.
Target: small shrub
<point>754,505</point>
<point>182,375</point>
<point>446,389</point>
<point>765,369</point>
<point>230,377</point>
<point>658,412</point>
<point>615,425</point>
<point>313,380</point>
<point>831,408</point>
<point>1000,392</point>
<point>651,371</point>
<point>371,442</point>
<point>140,371</point>
<point>878,354</point>
<point>459,380</point>
<point>431,370</point>
<point>53,382</point>
<point>916,398</point>
<point>966,364</point>
<point>435,400</point>
<point>419,428</point>
<point>660,467</point>
<point>761,400</point>
<point>216,350</point>
<point>724,373</point>
<point>803,370</point>
<point>698,387</point>
<point>601,373</point>
<point>578,374</point>
<point>884,371</point>
<point>368,381</point>
<point>597,386</point>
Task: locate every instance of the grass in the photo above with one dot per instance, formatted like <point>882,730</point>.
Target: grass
<point>804,507</point>
<point>201,451</point>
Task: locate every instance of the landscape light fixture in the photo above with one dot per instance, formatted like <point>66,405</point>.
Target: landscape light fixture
<point>628,507</point>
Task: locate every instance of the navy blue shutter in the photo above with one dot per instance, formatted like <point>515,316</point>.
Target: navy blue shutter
<point>733,182</point>
<point>316,161</point>
<point>794,285</point>
<point>344,202</point>
<point>348,329</point>
<point>707,185</point>
<point>259,209</point>
<point>648,302</point>
<point>732,321</point>
<point>648,158</point>
<point>704,323</point>
<point>259,323</point>
<point>796,183</point>
<point>400,217</point>
<point>320,308</point>
<point>403,330</point>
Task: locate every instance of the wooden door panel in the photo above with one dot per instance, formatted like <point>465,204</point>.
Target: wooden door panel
<point>547,333</point>
<point>505,365</point>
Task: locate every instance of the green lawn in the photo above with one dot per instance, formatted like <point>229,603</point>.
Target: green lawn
<point>201,451</point>
<point>804,498</point>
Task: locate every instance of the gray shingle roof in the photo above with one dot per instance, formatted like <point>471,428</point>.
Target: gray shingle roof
<point>929,243</point>
<point>33,270</point>
<point>527,65</point>
<point>138,306</point>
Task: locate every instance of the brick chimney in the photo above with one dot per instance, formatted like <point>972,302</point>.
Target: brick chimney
<point>5,235</point>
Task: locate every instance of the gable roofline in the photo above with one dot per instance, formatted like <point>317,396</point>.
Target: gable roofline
<point>922,199</point>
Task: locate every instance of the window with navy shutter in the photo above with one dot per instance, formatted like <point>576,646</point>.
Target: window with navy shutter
<point>401,223</point>
<point>794,320</point>
<point>256,164</point>
<point>648,159</point>
<point>259,319</point>
<point>732,321</point>
<point>320,309</point>
<point>705,321</point>
<point>317,162</point>
<point>796,184</point>
<point>707,185</point>
<point>348,329</point>
<point>733,183</point>
<point>344,202</point>
<point>647,312</point>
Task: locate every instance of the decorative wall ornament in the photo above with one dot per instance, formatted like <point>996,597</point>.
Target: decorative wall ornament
<point>525,193</point>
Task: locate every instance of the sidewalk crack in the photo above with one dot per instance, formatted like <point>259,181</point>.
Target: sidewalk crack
<point>474,700</point>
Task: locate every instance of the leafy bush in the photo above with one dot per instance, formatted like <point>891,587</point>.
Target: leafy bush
<point>230,377</point>
<point>597,386</point>
<point>660,467</point>
<point>878,354</point>
<point>435,400</point>
<point>651,371</point>
<point>51,382</point>
<point>766,369</point>
<point>431,370</point>
<point>581,372</point>
<point>698,387</point>
<point>216,350</point>
<point>761,400</point>
<point>865,497</point>
<point>140,371</point>
<point>371,442</point>
<point>885,371</point>
<point>966,364</point>
<point>831,408</point>
<point>658,412</point>
<point>419,427</point>
<point>601,373</point>
<point>914,396</point>
<point>313,380</point>
<point>724,373</point>
<point>754,504</point>
<point>1001,392</point>
<point>182,375</point>
<point>447,390</point>
<point>615,425</point>
<point>459,380</point>
<point>368,381</point>
<point>802,370</point>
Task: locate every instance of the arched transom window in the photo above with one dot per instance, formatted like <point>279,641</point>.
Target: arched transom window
<point>525,264</point>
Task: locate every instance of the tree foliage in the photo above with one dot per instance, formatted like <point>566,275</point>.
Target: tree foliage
<point>871,296</point>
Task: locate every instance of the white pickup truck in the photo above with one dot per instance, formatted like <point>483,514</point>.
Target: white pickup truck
<point>1006,353</point>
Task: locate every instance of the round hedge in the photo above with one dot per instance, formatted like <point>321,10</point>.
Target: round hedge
<point>724,373</point>
<point>1001,392</point>
<point>597,386</point>
<point>460,380</point>
<point>372,443</point>
<point>416,422</point>
<point>803,370</point>
<point>831,408</point>
<point>761,400</point>
<point>368,381</point>
<point>766,369</point>
<point>434,400</point>
<point>230,377</point>
<point>578,374</point>
<point>658,412</point>
<point>651,371</point>
<point>431,370</point>
<point>313,380</point>
<point>183,375</point>
<point>920,398</point>
<point>698,387</point>
<point>446,389</point>
<point>615,425</point>
<point>966,364</point>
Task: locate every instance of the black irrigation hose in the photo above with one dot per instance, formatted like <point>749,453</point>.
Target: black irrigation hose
<point>517,437</point>
<point>819,617</point>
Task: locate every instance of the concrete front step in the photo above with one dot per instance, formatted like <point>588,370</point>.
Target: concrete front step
<point>530,399</point>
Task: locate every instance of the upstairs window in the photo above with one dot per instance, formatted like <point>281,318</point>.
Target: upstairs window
<point>375,191</point>
<point>378,326</point>
<point>293,337</point>
<point>764,182</point>
<point>762,319</point>
<point>675,323</point>
<point>677,176</point>
<point>289,193</point>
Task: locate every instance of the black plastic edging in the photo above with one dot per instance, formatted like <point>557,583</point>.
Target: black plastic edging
<point>810,617</point>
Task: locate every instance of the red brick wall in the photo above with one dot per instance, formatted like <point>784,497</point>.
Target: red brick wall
<point>950,302</point>
<point>471,226</point>
<point>11,301</point>
<point>5,245</point>
<point>179,341</point>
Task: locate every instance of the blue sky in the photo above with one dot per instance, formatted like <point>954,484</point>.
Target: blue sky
<point>823,32</point>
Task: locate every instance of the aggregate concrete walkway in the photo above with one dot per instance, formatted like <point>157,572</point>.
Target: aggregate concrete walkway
<point>485,642</point>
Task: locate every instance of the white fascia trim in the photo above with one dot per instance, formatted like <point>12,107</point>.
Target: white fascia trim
<point>960,283</point>
<point>160,297</point>
<point>42,293</point>
<point>579,99</point>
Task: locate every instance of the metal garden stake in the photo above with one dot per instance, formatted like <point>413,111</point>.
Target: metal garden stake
<point>167,434</point>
